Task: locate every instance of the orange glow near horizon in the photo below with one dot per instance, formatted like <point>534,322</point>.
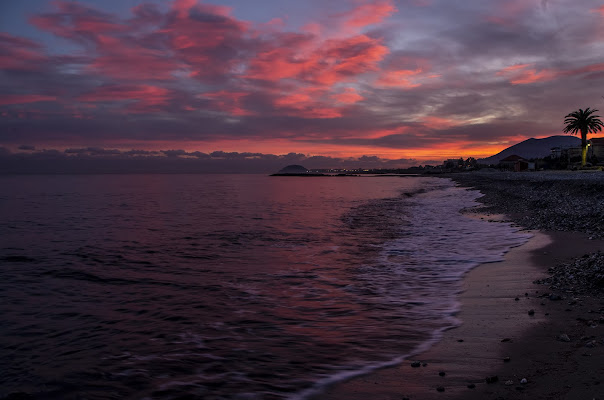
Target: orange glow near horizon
<point>433,154</point>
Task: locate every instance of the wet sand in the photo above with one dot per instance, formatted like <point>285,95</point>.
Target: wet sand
<point>495,325</point>
<point>559,347</point>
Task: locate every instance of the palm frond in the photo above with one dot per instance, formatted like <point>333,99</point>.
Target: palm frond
<point>584,121</point>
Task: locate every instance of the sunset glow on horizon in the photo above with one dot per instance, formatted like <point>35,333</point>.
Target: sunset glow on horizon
<point>411,80</point>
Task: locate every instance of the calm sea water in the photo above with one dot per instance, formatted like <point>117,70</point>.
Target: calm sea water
<point>226,286</point>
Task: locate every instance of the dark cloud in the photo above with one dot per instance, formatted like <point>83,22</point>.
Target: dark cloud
<point>99,160</point>
<point>93,151</point>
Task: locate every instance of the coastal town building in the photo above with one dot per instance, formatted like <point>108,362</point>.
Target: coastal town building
<point>597,148</point>
<point>516,163</point>
<point>556,152</point>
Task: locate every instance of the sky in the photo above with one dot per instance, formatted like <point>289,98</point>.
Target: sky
<point>400,82</point>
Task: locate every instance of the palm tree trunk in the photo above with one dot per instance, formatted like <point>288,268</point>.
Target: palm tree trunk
<point>583,147</point>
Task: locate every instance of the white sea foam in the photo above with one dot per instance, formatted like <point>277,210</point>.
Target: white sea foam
<point>426,265</point>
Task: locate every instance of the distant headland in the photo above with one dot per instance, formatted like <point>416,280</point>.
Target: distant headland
<point>296,170</point>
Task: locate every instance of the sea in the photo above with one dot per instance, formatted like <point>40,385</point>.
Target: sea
<point>227,286</point>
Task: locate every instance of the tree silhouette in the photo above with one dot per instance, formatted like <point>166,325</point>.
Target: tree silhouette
<point>585,122</point>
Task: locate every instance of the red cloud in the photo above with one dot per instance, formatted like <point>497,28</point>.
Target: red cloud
<point>400,78</point>
<point>201,40</point>
<point>433,122</point>
<point>20,54</point>
<point>294,72</point>
<point>206,38</point>
<point>230,102</point>
<point>352,56</point>
<point>599,10</point>
<point>121,51</point>
<point>306,103</point>
<point>513,68</point>
<point>326,63</point>
<point>130,60</point>
<point>348,96</point>
<point>532,76</point>
<point>508,12</point>
<point>523,73</point>
<point>405,72</point>
<point>184,8</point>
<point>144,97</point>
<point>24,98</point>
<point>205,42</point>
<point>586,70</point>
<point>369,14</point>
<point>277,63</point>
<point>75,21</point>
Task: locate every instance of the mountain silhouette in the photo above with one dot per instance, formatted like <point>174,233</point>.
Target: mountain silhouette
<point>533,148</point>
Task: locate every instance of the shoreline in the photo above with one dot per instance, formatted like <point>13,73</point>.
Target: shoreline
<point>495,325</point>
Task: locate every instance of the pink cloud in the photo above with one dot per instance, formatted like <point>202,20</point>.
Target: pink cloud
<point>585,70</point>
<point>143,97</point>
<point>399,78</point>
<point>352,56</point>
<point>523,74</point>
<point>120,51</point>
<point>369,14</point>
<point>532,76</point>
<point>206,38</point>
<point>75,21</point>
<point>199,39</point>
<point>205,42</point>
<point>508,13</point>
<point>184,8</point>
<point>348,96</point>
<point>313,61</point>
<point>24,98</point>
<point>278,63</point>
<point>230,102</point>
<point>513,68</point>
<point>20,54</point>
<point>433,122</point>
<point>306,103</point>
<point>123,60</point>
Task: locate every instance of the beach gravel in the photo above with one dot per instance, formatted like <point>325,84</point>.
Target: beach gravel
<point>546,200</point>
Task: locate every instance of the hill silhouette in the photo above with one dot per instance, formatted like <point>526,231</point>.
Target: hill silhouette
<point>533,148</point>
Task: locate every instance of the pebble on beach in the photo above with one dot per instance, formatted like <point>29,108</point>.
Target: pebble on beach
<point>440,388</point>
<point>415,364</point>
<point>531,312</point>
<point>564,338</point>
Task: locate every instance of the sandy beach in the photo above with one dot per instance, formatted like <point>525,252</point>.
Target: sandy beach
<point>533,339</point>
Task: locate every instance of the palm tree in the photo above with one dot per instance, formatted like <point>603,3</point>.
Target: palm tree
<point>585,122</point>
